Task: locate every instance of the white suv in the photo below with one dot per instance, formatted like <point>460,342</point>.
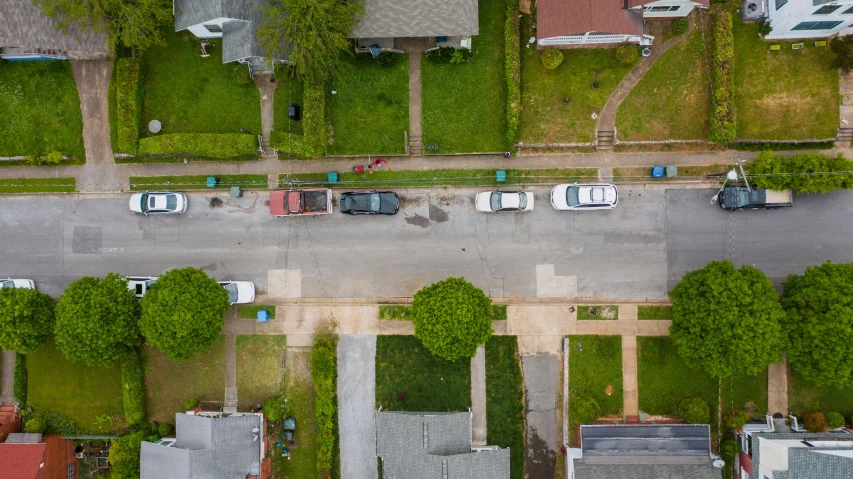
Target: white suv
<point>594,196</point>
<point>17,283</point>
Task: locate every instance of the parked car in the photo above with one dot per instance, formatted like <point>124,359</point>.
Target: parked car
<point>158,203</point>
<point>594,196</point>
<point>369,203</point>
<point>239,292</point>
<point>495,201</point>
<point>140,284</point>
<point>740,198</point>
<point>17,283</point>
<point>310,201</point>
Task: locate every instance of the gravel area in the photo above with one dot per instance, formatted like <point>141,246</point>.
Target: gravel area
<point>356,401</point>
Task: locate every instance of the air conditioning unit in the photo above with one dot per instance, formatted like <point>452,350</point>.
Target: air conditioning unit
<point>80,455</point>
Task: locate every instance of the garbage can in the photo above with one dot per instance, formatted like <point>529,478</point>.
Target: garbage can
<point>263,316</point>
<point>657,171</point>
<point>333,177</point>
<point>500,176</point>
<point>236,192</point>
<point>211,181</point>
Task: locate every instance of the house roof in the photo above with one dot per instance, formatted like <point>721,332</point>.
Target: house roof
<point>645,471</point>
<point>556,18</point>
<point>193,12</point>
<point>810,461</point>
<point>206,447</point>
<point>427,445</point>
<point>417,18</point>
<point>21,461</point>
<point>24,25</point>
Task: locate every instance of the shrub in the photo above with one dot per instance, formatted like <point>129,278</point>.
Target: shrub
<point>240,74</point>
<point>694,410</point>
<point>128,104</point>
<point>816,422</point>
<point>132,388</point>
<point>512,70</point>
<point>36,425</point>
<point>190,403</point>
<point>316,134</point>
<point>290,143</point>
<point>215,145</point>
<point>324,376</point>
<point>729,449</point>
<point>626,54</point>
<point>21,379</point>
<point>165,429</point>
<point>834,420</point>
<point>737,420</point>
<point>440,54</point>
<point>842,47</point>
<point>273,409</point>
<point>723,124</point>
<point>388,58</point>
<point>679,27</point>
<point>826,173</point>
<point>551,58</point>
<point>583,410</point>
<point>764,28</point>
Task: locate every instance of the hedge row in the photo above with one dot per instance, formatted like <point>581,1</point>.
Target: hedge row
<point>324,372</point>
<point>290,142</point>
<point>20,389</point>
<point>132,388</point>
<point>181,158</point>
<point>723,127</point>
<point>128,104</point>
<point>214,145</point>
<point>804,173</point>
<point>512,70</point>
<point>314,118</point>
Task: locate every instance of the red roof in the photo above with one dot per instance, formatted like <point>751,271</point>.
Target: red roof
<point>556,18</point>
<point>21,461</point>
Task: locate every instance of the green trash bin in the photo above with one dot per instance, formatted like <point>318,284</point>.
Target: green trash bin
<point>500,177</point>
<point>211,182</point>
<point>333,177</point>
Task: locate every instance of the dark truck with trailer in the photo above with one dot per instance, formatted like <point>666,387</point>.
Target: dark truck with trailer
<point>733,198</point>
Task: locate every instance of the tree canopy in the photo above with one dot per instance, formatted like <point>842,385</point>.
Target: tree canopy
<point>311,34</point>
<point>97,320</point>
<point>804,172</point>
<point>183,313</point>
<point>26,319</point>
<point>819,323</point>
<point>132,23</point>
<point>725,321</point>
<point>451,318</point>
<point>125,452</point>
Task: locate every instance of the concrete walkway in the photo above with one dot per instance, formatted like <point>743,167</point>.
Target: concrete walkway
<point>416,144</point>
<point>356,402</point>
<point>630,395</point>
<point>7,388</point>
<point>777,388</point>
<point>230,373</point>
<point>93,83</point>
<point>266,87</point>
<point>478,397</point>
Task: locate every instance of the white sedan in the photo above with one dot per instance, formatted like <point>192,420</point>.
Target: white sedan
<point>495,201</point>
<point>17,283</point>
<point>158,203</point>
<point>597,196</point>
<point>239,292</point>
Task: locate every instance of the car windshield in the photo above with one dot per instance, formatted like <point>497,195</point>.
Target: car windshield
<point>522,201</point>
<point>375,201</point>
<point>144,203</point>
<point>232,292</point>
<point>172,202</point>
<point>7,284</point>
<point>572,196</point>
<point>496,201</point>
<point>744,197</point>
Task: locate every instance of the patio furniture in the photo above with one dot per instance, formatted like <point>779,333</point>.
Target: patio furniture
<point>820,43</point>
<point>775,48</point>
<point>797,46</point>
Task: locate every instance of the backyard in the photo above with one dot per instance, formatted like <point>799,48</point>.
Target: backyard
<point>794,88</point>
<point>671,101</point>
<point>302,463</point>
<point>664,380</point>
<point>40,110</point>
<point>505,400</point>
<point>805,396</point>
<point>745,393</point>
<point>410,378</point>
<point>191,94</point>
<point>259,368</point>
<point>83,393</point>
<point>597,370</point>
<point>369,112</point>
<point>464,106</point>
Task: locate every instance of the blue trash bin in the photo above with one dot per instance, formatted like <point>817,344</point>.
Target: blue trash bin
<point>657,171</point>
<point>263,316</point>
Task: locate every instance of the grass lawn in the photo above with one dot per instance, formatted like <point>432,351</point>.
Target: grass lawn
<point>610,312</point>
<point>74,389</point>
<point>426,382</point>
<point>395,311</point>
<point>595,368</point>
<point>789,94</point>
<point>545,117</point>
<point>664,380</point>
<point>287,91</point>
<point>745,393</point>
<point>199,182</point>
<point>805,396</point>
<point>190,94</point>
<point>654,312</point>
<point>370,110</point>
<point>251,311</point>
<point>464,106</point>
<point>259,368</point>
<point>40,110</point>
<point>37,185</point>
<point>300,403</point>
<point>421,178</point>
<point>505,400</point>
<point>671,101</point>
<point>168,384</point>
<point>628,174</point>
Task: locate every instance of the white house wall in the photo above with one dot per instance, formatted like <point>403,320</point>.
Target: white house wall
<point>684,9</point>
<point>202,32</point>
<point>785,16</point>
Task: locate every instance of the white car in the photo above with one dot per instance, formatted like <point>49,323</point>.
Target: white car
<point>494,201</point>
<point>239,292</point>
<point>17,283</point>
<point>140,284</point>
<point>597,196</point>
<point>158,203</point>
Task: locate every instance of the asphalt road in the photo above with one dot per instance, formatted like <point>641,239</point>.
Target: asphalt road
<point>637,250</point>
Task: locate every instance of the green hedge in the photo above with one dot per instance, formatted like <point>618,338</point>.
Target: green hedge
<point>290,142</point>
<point>723,124</point>
<point>132,388</point>
<point>181,159</point>
<point>512,70</point>
<point>804,173</point>
<point>213,145</point>
<point>129,102</point>
<point>21,379</point>
<point>324,372</point>
<point>314,118</point>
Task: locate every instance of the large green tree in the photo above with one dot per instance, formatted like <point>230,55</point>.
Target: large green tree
<point>132,23</point>
<point>26,319</point>
<point>183,313</point>
<point>452,317</point>
<point>97,320</point>
<point>819,323</point>
<point>725,321</point>
<point>311,34</point>
<point>804,172</point>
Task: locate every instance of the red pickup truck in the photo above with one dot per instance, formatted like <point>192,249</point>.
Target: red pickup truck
<point>312,201</point>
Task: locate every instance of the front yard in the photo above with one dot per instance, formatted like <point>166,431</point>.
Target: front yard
<point>260,373</point>
<point>287,92</point>
<point>805,396</point>
<point>664,380</point>
<point>597,370</point>
<point>299,392</point>
<point>39,110</point>
<point>505,400</point>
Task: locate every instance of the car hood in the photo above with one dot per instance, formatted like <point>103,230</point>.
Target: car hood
<point>136,202</point>
<point>483,201</point>
<point>596,194</point>
<point>558,196</point>
<point>389,203</point>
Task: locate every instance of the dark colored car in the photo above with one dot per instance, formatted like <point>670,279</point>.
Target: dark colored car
<point>369,203</point>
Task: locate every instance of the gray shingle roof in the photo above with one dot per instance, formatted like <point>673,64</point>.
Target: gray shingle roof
<point>811,462</point>
<point>417,18</point>
<point>24,438</point>
<point>645,471</point>
<point>206,448</point>
<point>23,25</point>
<point>238,36</point>
<point>428,445</point>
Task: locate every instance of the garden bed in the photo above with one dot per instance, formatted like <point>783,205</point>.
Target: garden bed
<point>610,312</point>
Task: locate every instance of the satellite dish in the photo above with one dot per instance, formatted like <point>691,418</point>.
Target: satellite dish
<point>719,463</point>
